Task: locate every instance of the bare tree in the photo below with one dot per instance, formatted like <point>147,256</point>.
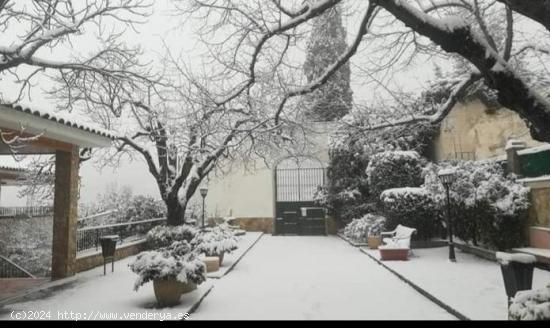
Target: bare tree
<point>179,127</point>
<point>49,35</point>
<point>465,29</point>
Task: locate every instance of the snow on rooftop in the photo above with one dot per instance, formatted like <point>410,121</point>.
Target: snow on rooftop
<point>534,150</point>
<point>11,168</point>
<point>505,258</point>
<point>514,144</point>
<point>67,119</point>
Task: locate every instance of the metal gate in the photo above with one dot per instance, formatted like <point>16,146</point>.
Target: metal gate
<point>296,180</point>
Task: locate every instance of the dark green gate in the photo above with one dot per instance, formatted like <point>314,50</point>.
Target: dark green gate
<point>296,181</point>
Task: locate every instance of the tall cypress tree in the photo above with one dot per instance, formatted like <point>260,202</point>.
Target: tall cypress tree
<point>327,42</point>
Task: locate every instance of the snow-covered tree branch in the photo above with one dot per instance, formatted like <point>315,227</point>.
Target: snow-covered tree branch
<point>40,37</point>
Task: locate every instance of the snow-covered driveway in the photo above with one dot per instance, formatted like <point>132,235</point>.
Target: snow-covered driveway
<point>313,278</point>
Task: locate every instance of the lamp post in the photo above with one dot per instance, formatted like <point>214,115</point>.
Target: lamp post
<point>203,192</point>
<point>447,177</point>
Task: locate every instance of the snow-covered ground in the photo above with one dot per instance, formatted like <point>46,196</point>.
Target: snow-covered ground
<point>229,260</point>
<point>312,278</point>
<point>94,296</point>
<point>97,297</point>
<point>472,286</point>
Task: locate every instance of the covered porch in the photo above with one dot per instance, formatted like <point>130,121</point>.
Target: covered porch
<point>27,131</point>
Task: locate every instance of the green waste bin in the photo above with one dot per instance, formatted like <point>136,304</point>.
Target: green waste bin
<point>108,249</point>
<point>517,272</point>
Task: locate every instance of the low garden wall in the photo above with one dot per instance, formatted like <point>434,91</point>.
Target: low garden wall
<point>265,225</point>
<point>87,260</point>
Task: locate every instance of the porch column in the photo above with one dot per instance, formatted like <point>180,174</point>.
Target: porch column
<point>65,213</point>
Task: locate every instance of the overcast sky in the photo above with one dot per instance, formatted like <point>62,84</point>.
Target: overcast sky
<point>163,29</point>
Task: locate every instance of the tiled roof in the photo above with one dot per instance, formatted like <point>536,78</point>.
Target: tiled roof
<point>64,119</point>
<point>11,168</point>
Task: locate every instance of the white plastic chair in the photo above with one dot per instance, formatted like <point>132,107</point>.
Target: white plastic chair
<point>399,237</point>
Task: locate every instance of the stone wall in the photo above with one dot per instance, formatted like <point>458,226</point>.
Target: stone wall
<point>539,212</point>
<point>90,261</point>
<point>471,131</point>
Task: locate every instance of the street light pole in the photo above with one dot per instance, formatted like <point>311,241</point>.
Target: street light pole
<point>203,213</point>
<point>447,177</point>
<point>452,257</point>
<point>203,192</point>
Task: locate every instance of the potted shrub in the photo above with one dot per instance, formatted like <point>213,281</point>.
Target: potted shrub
<point>174,270</point>
<point>216,242</point>
<point>163,235</point>
<point>376,227</point>
<point>531,304</point>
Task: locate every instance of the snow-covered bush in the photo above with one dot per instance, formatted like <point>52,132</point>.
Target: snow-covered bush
<point>394,169</point>
<point>162,236</point>
<point>487,206</point>
<point>351,147</point>
<point>215,241</point>
<point>347,189</point>
<point>531,305</point>
<point>174,262</point>
<point>411,207</point>
<point>369,225</point>
<point>377,225</point>
<point>357,230</point>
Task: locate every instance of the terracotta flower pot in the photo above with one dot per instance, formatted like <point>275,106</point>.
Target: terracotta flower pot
<point>393,254</point>
<point>167,291</point>
<point>373,242</point>
<point>188,287</point>
<point>221,258</point>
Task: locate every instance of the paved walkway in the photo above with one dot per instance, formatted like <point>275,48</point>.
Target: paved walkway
<point>313,278</point>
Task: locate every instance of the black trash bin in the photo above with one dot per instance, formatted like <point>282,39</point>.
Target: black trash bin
<point>517,275</point>
<point>108,248</point>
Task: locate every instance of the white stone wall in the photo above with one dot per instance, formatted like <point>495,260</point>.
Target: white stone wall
<point>249,193</point>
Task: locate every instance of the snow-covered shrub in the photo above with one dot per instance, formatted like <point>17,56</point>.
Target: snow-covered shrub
<point>377,225</point>
<point>411,207</point>
<point>531,305</point>
<point>358,210</point>
<point>174,262</point>
<point>320,196</point>
<point>357,230</point>
<point>394,169</point>
<point>487,206</point>
<point>350,149</point>
<point>215,241</point>
<point>162,236</point>
<point>347,189</point>
<point>369,225</point>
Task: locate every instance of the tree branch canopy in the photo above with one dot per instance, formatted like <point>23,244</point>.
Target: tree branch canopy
<point>454,37</point>
<point>537,10</point>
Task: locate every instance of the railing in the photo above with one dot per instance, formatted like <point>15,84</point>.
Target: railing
<point>8,269</point>
<point>103,214</point>
<point>88,238</point>
<point>24,211</point>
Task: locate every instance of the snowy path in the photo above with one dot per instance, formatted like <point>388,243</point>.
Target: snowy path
<point>313,278</point>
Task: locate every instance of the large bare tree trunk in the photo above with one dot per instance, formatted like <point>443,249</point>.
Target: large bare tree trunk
<point>175,212</point>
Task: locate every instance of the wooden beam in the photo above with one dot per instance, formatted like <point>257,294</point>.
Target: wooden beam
<point>42,145</point>
<point>65,214</point>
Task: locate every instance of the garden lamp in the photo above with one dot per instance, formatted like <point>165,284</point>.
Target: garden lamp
<point>447,177</point>
<point>203,192</point>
